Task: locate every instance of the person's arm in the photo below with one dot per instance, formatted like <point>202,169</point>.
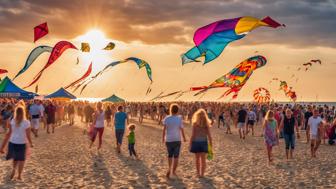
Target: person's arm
<point>164,133</point>
<point>28,134</point>
<point>127,120</point>
<point>6,139</point>
<point>183,135</point>
<point>297,128</point>
<point>209,136</point>
<point>281,126</point>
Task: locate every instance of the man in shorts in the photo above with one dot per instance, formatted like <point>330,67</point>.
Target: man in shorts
<point>314,125</point>
<point>251,120</point>
<point>242,122</point>
<point>171,135</point>
<point>35,112</point>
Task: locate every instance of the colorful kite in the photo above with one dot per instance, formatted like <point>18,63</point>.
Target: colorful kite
<point>56,52</point>
<point>86,74</point>
<point>85,47</point>
<point>40,31</point>
<point>236,78</point>
<point>109,46</point>
<point>211,40</point>
<point>287,90</point>
<point>34,54</point>
<point>3,71</point>
<point>261,95</point>
<point>139,62</point>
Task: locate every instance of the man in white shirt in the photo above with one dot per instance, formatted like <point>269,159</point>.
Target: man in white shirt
<point>171,135</point>
<point>35,116</point>
<point>314,125</point>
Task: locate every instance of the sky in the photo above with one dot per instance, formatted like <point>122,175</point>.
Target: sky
<point>159,32</point>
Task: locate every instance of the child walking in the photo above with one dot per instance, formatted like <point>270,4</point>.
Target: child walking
<point>131,140</point>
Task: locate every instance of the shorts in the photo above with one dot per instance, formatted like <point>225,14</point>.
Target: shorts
<point>173,149</point>
<point>250,122</point>
<point>119,135</point>
<point>35,123</point>
<point>199,147</point>
<point>289,141</point>
<point>240,125</point>
<point>17,152</point>
<point>314,137</point>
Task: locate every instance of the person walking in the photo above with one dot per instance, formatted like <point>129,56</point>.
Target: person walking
<point>120,121</point>
<point>98,122</point>
<point>200,139</point>
<point>288,125</point>
<point>17,138</point>
<point>171,135</point>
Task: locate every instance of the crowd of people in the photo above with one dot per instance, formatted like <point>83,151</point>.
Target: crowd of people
<point>20,118</point>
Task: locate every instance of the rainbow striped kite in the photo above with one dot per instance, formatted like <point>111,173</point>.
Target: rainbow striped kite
<point>211,40</point>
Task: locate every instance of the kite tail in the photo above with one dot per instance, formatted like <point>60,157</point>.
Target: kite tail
<point>37,77</point>
<point>232,90</point>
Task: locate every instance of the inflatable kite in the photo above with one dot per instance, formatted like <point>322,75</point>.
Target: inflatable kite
<point>85,47</point>
<point>56,52</point>
<point>109,46</point>
<point>86,74</point>
<point>261,95</point>
<point>40,31</point>
<point>236,78</point>
<point>287,90</point>
<point>34,54</point>
<point>211,39</point>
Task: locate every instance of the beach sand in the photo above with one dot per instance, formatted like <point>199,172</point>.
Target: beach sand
<point>63,160</point>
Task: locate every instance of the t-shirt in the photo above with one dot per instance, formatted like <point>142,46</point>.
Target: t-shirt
<point>289,125</point>
<point>18,135</point>
<point>120,120</point>
<point>131,137</point>
<point>251,116</point>
<point>35,109</point>
<point>242,116</point>
<point>173,125</point>
<point>314,124</point>
<point>307,116</point>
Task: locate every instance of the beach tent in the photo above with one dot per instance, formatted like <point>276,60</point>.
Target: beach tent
<point>9,90</point>
<point>114,99</point>
<point>61,94</point>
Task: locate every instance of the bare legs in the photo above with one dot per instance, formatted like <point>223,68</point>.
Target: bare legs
<point>200,163</point>
<point>172,164</point>
<point>314,146</point>
<point>17,165</point>
<point>269,153</point>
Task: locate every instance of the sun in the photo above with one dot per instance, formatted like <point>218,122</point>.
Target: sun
<point>97,41</point>
<point>95,37</point>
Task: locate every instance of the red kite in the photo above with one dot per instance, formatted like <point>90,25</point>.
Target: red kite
<point>40,31</point>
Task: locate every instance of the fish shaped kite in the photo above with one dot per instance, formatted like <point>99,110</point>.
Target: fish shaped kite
<point>109,46</point>
<point>40,31</point>
<point>236,78</point>
<point>34,54</point>
<point>86,74</point>
<point>56,52</point>
<point>212,39</point>
<point>85,47</point>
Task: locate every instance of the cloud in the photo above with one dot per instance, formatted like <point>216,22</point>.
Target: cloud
<point>309,22</point>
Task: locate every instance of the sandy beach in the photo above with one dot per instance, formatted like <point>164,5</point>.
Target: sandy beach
<point>63,160</point>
